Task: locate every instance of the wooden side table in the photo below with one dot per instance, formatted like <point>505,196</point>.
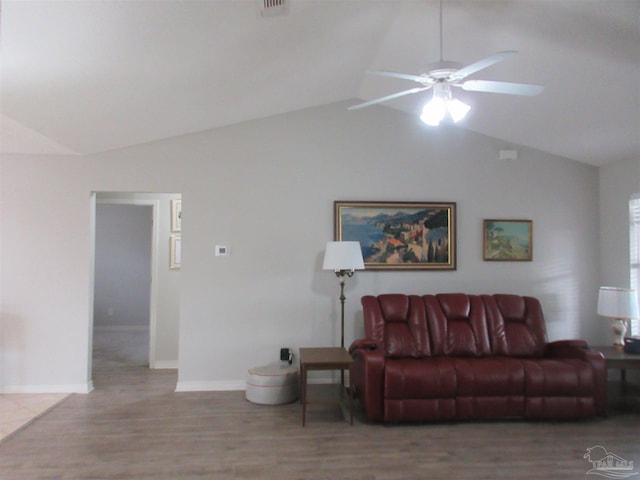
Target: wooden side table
<point>616,358</point>
<point>325,358</point>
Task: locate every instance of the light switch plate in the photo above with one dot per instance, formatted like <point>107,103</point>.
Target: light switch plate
<point>222,251</point>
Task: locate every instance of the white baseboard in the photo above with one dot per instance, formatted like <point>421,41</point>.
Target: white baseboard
<point>231,385</point>
<point>165,365</point>
<point>121,328</point>
<point>73,388</point>
<point>323,381</point>
<point>212,386</point>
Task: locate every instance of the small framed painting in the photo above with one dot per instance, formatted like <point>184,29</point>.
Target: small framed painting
<point>508,240</point>
<point>175,252</point>
<point>176,215</point>
<point>400,235</point>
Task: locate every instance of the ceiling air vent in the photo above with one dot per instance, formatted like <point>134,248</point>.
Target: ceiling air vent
<point>272,8</point>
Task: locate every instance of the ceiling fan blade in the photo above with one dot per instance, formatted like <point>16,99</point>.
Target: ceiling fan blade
<point>404,76</point>
<point>482,64</point>
<point>502,87</point>
<point>389,97</point>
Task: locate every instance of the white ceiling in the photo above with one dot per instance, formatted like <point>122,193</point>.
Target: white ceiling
<point>90,76</point>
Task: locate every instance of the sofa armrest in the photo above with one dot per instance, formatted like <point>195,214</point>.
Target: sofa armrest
<point>570,349</point>
<point>576,349</point>
<point>568,343</point>
<point>364,344</point>
<point>368,377</point>
<point>580,350</point>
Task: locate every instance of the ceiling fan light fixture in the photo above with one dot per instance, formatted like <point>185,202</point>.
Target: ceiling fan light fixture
<point>442,75</point>
<point>457,109</point>
<point>442,103</point>
<point>434,111</point>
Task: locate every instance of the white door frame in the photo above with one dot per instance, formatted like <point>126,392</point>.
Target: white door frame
<point>153,297</point>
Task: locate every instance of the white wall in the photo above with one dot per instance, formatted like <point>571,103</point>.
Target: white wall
<point>617,182</point>
<point>266,188</point>
<point>122,265</point>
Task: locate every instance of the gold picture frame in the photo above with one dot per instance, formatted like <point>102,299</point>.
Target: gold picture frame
<point>399,235</point>
<point>507,240</point>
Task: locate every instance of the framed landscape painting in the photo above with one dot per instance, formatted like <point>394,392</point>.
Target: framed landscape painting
<point>400,235</point>
<point>508,240</point>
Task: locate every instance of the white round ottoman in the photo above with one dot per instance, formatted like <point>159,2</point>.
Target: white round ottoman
<point>272,384</point>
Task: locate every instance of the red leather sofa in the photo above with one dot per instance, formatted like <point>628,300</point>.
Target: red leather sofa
<point>457,356</point>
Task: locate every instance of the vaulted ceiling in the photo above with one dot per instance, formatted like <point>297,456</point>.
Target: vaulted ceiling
<point>89,76</point>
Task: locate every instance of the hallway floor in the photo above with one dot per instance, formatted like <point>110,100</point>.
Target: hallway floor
<point>112,347</point>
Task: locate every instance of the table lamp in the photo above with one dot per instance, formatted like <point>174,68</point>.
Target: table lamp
<point>344,258</point>
<point>620,304</point>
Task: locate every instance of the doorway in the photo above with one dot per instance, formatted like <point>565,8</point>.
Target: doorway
<point>122,284</point>
<point>135,291</point>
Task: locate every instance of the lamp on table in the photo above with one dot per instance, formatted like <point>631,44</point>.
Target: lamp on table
<point>620,304</point>
<point>344,258</point>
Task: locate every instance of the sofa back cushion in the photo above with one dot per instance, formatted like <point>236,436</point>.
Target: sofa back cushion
<point>457,325</point>
<point>397,323</point>
<point>516,325</point>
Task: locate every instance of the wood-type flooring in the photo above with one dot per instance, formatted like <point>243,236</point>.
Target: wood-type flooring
<point>135,426</point>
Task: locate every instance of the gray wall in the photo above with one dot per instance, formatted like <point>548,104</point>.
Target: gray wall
<point>122,265</point>
<point>617,183</point>
<point>266,189</point>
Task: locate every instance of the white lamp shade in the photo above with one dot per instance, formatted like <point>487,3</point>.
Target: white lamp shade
<point>617,302</point>
<point>343,256</point>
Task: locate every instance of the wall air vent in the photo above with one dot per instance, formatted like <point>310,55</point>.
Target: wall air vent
<point>272,8</point>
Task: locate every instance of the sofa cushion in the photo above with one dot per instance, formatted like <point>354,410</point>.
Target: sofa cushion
<point>420,378</point>
<point>516,325</point>
<point>559,389</point>
<point>398,323</point>
<point>419,409</point>
<point>505,406</point>
<point>558,378</point>
<point>457,325</point>
<point>489,387</point>
<point>489,377</point>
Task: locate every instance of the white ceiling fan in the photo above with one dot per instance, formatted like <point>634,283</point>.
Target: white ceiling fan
<point>443,75</point>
